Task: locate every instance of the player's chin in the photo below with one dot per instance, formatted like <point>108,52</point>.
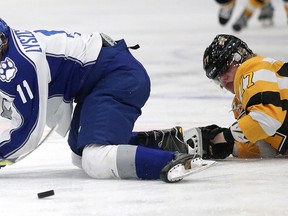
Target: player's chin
<point>229,86</point>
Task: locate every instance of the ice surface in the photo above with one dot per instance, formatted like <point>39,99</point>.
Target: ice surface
<point>172,36</point>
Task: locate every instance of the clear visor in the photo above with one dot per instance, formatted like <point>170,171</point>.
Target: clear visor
<point>234,62</point>
<point>228,69</point>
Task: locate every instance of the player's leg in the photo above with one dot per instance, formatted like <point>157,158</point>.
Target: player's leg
<point>127,161</point>
<point>105,119</point>
<point>116,161</point>
<point>105,125</point>
<point>102,159</point>
<point>167,139</point>
<point>225,11</point>
<point>108,156</point>
<point>200,140</point>
<point>124,161</point>
<point>266,14</point>
<point>247,13</point>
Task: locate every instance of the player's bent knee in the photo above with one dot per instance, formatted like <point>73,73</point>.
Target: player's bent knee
<point>99,161</point>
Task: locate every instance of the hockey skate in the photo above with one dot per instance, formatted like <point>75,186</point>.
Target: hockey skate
<point>168,139</point>
<point>266,14</point>
<point>225,13</point>
<point>184,165</point>
<point>194,139</point>
<point>241,22</point>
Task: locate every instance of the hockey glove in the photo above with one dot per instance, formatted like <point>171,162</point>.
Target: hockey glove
<point>201,138</point>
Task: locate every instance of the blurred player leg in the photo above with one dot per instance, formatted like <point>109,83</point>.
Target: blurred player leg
<point>225,11</point>
<point>266,14</point>
<point>247,13</point>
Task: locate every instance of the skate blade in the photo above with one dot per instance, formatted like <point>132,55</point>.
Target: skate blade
<point>181,171</point>
<point>267,23</point>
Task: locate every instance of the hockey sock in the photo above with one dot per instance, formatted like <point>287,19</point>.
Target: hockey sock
<point>124,161</point>
<point>149,162</point>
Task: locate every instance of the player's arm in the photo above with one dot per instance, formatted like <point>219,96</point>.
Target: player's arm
<point>26,110</point>
<point>260,149</point>
<point>258,85</point>
<point>200,139</point>
<point>202,142</point>
<point>18,136</point>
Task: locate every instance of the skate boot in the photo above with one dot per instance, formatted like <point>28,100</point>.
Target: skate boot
<point>225,12</point>
<point>266,14</point>
<point>168,139</point>
<point>241,22</point>
<point>193,138</point>
<point>183,165</point>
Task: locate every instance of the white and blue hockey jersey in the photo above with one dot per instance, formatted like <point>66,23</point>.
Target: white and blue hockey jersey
<point>40,75</point>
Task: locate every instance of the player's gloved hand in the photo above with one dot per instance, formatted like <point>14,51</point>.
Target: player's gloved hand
<point>219,150</point>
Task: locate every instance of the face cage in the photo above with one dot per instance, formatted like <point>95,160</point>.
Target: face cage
<point>228,61</point>
<point>3,41</point>
<point>218,72</point>
<point>236,60</point>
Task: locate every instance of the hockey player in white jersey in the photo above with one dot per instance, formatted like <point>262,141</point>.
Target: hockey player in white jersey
<point>43,72</point>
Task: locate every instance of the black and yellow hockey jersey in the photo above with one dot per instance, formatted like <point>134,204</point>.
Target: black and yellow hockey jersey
<point>261,102</point>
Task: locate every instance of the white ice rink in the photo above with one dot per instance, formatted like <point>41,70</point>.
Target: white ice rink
<point>172,35</point>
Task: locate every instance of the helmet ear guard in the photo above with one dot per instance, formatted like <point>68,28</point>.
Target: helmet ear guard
<point>222,52</point>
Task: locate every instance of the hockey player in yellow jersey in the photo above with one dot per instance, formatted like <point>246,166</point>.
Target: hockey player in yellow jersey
<point>260,86</point>
<point>265,16</point>
<point>227,7</point>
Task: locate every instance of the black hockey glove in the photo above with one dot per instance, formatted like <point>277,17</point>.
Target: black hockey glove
<point>219,150</point>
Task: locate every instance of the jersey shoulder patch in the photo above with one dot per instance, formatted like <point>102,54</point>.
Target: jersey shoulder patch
<point>8,70</point>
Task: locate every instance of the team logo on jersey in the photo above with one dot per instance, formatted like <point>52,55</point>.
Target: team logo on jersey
<point>8,70</point>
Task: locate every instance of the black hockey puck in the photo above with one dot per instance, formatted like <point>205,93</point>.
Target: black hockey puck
<point>45,194</point>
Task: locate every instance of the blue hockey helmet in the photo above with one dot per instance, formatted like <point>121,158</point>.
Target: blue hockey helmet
<point>4,31</point>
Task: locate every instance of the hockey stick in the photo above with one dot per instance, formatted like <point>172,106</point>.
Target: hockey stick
<point>5,162</point>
